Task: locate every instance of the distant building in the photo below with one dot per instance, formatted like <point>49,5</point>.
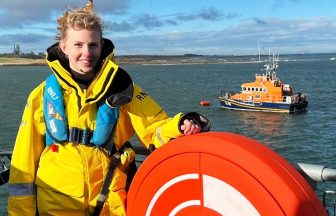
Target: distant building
<point>17,50</point>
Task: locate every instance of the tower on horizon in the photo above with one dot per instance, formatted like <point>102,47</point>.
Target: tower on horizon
<point>16,50</point>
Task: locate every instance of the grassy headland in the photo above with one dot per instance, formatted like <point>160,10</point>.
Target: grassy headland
<point>141,59</point>
<point>17,61</point>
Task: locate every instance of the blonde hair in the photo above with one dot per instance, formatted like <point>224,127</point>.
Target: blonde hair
<point>83,18</point>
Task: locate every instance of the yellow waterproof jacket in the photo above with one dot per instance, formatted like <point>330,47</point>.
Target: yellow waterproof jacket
<point>67,180</point>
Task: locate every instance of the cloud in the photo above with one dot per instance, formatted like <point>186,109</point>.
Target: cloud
<point>277,4</point>
<point>19,13</point>
<point>21,38</point>
<point>202,31</point>
<point>209,13</point>
<point>282,35</point>
<point>204,13</point>
<point>287,35</point>
<point>148,21</point>
<point>259,21</point>
<point>28,42</point>
<point>119,27</point>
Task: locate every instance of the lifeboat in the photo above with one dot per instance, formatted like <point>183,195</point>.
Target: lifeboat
<point>267,93</point>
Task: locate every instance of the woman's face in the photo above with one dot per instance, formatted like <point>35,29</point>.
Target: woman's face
<point>83,48</point>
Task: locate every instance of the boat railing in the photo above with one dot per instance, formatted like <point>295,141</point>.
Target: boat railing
<point>279,99</point>
<point>224,95</point>
<point>313,173</point>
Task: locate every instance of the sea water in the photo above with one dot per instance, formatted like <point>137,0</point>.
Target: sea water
<point>307,137</point>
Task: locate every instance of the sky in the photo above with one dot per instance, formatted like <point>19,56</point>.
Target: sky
<point>177,27</point>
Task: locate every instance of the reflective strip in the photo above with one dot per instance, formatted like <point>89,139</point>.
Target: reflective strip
<point>158,131</point>
<point>22,189</point>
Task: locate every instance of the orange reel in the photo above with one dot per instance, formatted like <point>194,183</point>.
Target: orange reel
<point>217,173</point>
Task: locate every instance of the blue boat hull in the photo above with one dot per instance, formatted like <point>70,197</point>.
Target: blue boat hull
<point>264,106</point>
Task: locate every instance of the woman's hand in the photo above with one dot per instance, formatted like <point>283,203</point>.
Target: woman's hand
<point>189,127</point>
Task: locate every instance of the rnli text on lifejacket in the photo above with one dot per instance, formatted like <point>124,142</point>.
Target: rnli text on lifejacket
<point>142,96</point>
<point>52,94</point>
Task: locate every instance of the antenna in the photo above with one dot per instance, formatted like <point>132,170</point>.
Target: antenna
<point>259,51</point>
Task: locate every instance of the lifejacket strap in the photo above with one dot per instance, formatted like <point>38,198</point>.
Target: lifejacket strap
<point>77,135</point>
<point>115,161</point>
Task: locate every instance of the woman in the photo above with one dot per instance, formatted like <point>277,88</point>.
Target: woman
<point>79,120</point>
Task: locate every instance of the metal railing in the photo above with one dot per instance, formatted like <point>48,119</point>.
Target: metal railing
<point>315,174</point>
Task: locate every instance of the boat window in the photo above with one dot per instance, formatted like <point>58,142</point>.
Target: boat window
<point>248,89</point>
<point>244,88</point>
<point>252,89</point>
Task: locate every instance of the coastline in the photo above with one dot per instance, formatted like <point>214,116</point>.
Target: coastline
<point>175,59</point>
<point>142,60</point>
<point>183,59</point>
<point>16,61</point>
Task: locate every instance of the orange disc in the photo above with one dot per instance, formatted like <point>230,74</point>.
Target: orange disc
<point>218,173</point>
